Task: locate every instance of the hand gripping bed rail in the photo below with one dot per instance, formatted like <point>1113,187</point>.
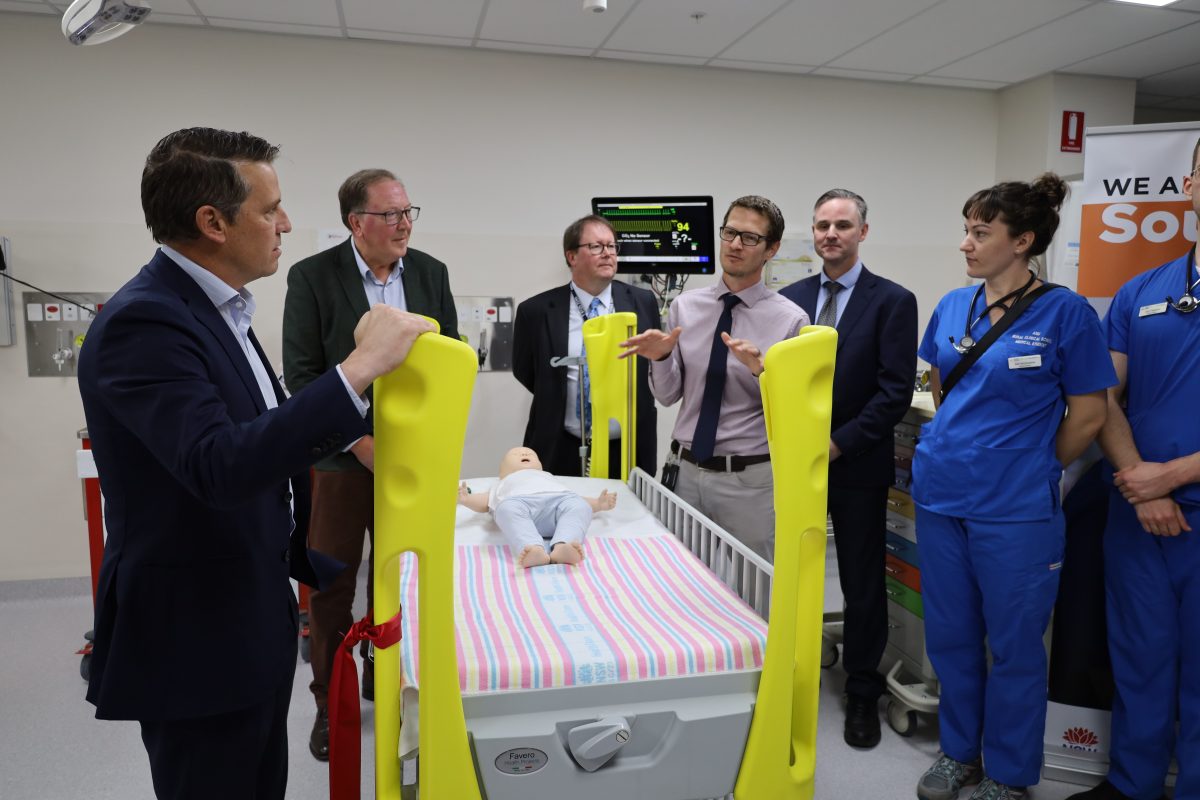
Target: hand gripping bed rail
<point>420,427</point>
<point>781,751</point>
<point>613,388</point>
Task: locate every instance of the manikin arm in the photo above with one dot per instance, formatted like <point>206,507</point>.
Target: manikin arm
<point>476,502</point>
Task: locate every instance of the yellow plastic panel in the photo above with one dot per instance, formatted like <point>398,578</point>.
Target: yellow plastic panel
<point>420,427</point>
<point>613,383</point>
<point>781,751</point>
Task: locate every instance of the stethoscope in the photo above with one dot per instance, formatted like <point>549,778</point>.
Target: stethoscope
<point>964,345</point>
<point>1188,303</point>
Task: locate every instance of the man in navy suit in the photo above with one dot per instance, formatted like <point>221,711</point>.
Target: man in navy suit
<point>876,321</point>
<point>204,470</point>
<point>551,324</point>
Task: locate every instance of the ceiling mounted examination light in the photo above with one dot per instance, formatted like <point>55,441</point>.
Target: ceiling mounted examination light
<point>599,6</point>
<point>97,21</point>
<point>1155,3</point>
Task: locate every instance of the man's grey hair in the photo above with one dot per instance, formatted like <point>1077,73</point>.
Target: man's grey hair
<point>843,194</point>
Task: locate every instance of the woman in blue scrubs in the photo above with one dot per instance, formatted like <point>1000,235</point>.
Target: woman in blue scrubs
<point>986,487</point>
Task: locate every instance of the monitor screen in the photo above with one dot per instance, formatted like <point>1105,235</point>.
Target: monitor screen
<point>662,234</point>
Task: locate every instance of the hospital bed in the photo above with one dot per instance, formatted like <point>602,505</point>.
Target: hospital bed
<point>649,671</point>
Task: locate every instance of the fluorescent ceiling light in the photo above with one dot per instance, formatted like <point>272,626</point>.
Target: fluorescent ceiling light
<point>1155,3</point>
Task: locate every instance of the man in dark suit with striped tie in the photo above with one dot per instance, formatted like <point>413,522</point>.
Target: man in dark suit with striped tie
<point>876,321</point>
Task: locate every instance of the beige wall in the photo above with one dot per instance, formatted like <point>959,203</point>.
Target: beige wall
<point>500,150</point>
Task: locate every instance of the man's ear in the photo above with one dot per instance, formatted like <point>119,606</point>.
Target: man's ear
<point>211,224</point>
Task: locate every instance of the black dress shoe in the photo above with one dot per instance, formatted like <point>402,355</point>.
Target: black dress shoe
<point>368,679</point>
<point>862,722</point>
<point>1102,791</point>
<point>318,740</point>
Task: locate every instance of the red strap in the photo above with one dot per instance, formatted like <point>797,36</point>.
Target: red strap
<point>345,727</point>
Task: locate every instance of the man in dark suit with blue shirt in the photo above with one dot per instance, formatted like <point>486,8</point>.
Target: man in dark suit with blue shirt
<point>204,469</point>
<point>876,321</point>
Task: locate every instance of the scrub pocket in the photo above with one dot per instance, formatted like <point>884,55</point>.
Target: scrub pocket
<point>1009,483</point>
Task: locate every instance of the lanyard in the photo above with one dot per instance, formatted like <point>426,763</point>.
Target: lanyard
<point>579,305</point>
<point>1188,303</point>
<point>965,344</point>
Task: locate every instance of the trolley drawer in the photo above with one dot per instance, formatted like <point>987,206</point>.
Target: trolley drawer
<point>906,573</point>
<point>902,526</point>
<point>906,633</point>
<point>902,549</point>
<point>899,594</point>
<point>901,503</point>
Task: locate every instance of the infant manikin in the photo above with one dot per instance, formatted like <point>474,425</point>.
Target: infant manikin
<point>543,521</point>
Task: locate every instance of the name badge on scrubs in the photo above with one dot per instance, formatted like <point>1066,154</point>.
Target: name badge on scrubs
<point>1152,309</point>
<point>1024,362</point>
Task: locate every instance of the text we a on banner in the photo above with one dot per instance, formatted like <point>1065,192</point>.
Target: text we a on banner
<point>1134,213</point>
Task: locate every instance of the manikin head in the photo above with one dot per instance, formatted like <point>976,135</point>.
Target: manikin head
<point>517,459</point>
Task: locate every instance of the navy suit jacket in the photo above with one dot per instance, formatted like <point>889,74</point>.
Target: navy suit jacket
<point>195,614</point>
<point>873,375</point>
<point>540,333</point>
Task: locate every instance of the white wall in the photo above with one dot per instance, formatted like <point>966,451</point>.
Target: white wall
<point>501,151</point>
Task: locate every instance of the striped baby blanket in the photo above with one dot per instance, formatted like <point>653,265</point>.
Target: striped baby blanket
<point>634,609</point>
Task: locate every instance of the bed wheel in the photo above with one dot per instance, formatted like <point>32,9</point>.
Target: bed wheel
<point>900,719</point>
<point>85,666</point>
<point>829,654</point>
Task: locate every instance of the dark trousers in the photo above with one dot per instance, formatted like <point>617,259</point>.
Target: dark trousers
<point>859,531</point>
<point>566,458</point>
<point>241,755</point>
<point>343,512</point>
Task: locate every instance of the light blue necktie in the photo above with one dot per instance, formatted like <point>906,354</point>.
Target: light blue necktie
<point>584,385</point>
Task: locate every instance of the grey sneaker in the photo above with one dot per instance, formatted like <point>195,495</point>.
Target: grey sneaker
<point>947,777</point>
<point>991,790</point>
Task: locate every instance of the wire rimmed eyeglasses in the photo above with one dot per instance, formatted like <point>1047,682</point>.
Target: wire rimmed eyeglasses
<point>596,248</point>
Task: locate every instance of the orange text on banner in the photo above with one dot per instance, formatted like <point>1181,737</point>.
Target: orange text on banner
<point>1120,240</point>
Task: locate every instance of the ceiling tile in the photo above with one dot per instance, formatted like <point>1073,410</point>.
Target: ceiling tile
<point>274,27</point>
<point>174,19</point>
<point>861,74</point>
<point>1163,53</point>
<point>561,23</point>
<point>815,33</point>
<point>1102,27</point>
<point>952,30</point>
<point>30,8</point>
<point>1176,83</point>
<point>761,66</point>
<point>522,47</point>
<point>293,12</point>
<point>960,83</point>
<point>408,38</point>
<point>669,26</point>
<point>454,18</point>
<point>656,58</point>
<point>171,7</point>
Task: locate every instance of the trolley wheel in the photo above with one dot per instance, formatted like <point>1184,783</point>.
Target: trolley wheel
<point>85,666</point>
<point>902,720</point>
<point>829,654</point>
<point>306,649</point>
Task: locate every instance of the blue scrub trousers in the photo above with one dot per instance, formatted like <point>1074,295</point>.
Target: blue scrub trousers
<point>1152,587</point>
<point>993,581</point>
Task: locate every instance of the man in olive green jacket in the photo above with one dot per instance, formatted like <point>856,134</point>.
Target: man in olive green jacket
<point>327,295</point>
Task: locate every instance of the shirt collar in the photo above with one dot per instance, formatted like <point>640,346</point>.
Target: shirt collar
<point>365,271</point>
<point>850,278</point>
<point>218,291</point>
<point>605,297</point>
<point>749,296</point>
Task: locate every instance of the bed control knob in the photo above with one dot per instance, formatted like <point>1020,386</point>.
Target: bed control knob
<point>593,745</point>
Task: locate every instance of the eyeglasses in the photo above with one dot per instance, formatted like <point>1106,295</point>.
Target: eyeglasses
<point>748,239</point>
<point>392,216</point>
<point>596,248</point>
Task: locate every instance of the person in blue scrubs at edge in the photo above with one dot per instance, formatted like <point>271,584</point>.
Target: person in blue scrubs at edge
<point>986,488</point>
<point>1152,543</point>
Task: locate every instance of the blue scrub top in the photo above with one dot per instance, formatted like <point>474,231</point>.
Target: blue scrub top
<point>1163,378</point>
<point>989,454</point>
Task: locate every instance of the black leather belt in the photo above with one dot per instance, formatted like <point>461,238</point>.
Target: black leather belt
<point>720,463</point>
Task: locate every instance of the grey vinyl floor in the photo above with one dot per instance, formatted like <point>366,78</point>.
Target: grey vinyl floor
<point>53,748</point>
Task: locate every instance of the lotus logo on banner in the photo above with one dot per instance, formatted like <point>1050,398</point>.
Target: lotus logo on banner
<point>1080,739</point>
<point>1134,216</point>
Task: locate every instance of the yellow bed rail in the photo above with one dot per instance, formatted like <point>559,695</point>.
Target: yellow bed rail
<point>614,389</point>
<point>420,427</point>
<point>781,751</point>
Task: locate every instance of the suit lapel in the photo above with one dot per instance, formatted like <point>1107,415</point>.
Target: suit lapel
<point>556,321</point>
<point>860,299</point>
<point>351,280</point>
<point>208,316</point>
<point>262,355</point>
<point>807,296</point>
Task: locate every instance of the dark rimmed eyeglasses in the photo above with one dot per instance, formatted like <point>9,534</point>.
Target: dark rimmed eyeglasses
<point>748,239</point>
<point>392,216</point>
